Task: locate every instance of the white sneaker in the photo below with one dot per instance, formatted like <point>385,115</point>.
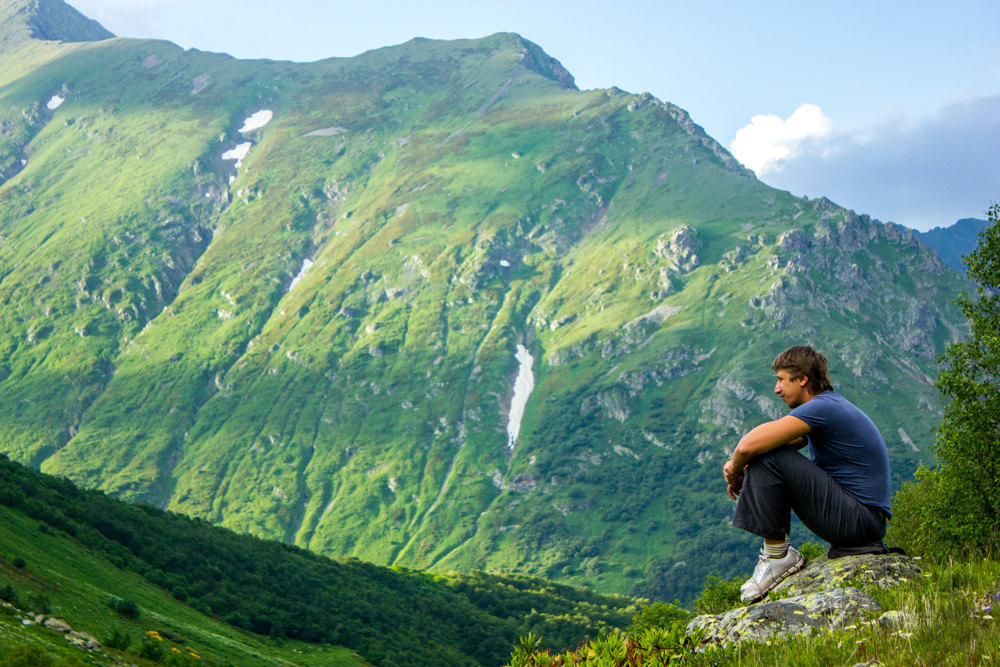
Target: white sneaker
<point>769,573</point>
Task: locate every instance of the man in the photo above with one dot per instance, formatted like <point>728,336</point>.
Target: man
<point>841,494</point>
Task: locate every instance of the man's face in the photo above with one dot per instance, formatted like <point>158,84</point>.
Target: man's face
<point>792,392</point>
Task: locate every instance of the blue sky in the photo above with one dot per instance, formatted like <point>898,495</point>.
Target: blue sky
<point>888,108</point>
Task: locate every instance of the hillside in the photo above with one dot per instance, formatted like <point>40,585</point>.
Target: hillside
<point>289,299</point>
<point>71,554</point>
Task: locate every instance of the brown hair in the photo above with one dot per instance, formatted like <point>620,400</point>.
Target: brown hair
<point>802,361</point>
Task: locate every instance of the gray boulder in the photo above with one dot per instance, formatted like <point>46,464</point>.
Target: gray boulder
<point>823,574</point>
<point>824,609</point>
<point>822,595</point>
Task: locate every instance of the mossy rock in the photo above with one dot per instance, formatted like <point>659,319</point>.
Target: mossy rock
<point>824,574</point>
<point>823,595</point>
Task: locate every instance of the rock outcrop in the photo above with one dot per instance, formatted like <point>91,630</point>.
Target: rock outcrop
<point>79,639</point>
<point>822,595</point>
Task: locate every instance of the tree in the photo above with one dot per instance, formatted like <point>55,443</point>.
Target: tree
<point>956,506</point>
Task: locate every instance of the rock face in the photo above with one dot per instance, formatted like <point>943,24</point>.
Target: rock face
<point>821,598</point>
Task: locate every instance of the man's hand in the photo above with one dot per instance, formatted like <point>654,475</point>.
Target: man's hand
<point>734,480</point>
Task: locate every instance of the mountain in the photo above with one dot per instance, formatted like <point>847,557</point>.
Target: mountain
<point>295,300</point>
<point>954,242</point>
<point>48,20</point>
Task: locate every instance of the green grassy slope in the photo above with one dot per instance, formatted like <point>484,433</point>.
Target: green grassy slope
<point>250,601</point>
<point>457,199</point>
<point>63,576</point>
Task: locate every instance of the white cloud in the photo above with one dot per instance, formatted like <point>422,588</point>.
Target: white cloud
<point>922,172</point>
<point>768,141</point>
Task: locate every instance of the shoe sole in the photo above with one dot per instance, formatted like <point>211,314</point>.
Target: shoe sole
<point>789,572</point>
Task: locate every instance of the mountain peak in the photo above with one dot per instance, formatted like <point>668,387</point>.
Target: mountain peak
<point>51,20</point>
<point>536,59</point>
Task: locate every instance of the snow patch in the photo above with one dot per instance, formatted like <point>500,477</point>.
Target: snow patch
<point>306,263</point>
<point>524,384</point>
<point>238,153</point>
<point>257,121</point>
<point>504,263</point>
<point>55,102</point>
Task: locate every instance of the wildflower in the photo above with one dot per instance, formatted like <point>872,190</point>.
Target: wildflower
<point>987,617</point>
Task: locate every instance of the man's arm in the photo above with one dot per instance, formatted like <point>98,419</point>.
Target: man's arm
<point>798,443</point>
<point>768,436</point>
<point>788,430</point>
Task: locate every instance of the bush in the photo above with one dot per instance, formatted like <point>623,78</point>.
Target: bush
<point>7,594</point>
<point>120,641</point>
<point>811,550</point>
<point>40,604</point>
<point>657,615</point>
<point>19,563</point>
<point>718,595</point>
<point>151,649</point>
<point>126,608</point>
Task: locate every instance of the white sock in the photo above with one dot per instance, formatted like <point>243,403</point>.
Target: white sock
<point>779,550</point>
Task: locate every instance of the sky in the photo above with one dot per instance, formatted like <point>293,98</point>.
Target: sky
<point>888,108</point>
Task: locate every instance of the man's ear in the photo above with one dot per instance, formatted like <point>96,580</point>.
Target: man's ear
<point>802,381</point>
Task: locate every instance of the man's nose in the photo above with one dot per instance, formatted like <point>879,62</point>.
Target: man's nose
<point>777,387</point>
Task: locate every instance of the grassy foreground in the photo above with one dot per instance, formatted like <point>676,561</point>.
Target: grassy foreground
<point>60,576</point>
<point>948,619</point>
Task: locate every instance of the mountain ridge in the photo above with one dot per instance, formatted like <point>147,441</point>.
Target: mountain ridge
<point>952,243</point>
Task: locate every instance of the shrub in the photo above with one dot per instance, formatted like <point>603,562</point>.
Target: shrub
<point>19,563</point>
<point>151,648</point>
<point>120,641</point>
<point>40,604</point>
<point>811,550</point>
<point>657,615</point>
<point>7,594</point>
<point>126,608</point>
<point>718,595</point>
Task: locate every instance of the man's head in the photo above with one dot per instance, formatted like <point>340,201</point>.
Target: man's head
<point>801,367</point>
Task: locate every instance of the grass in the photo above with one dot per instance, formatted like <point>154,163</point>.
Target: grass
<point>948,621</point>
<point>946,617</point>
<point>78,587</point>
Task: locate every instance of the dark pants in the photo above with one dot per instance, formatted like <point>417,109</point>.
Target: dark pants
<point>783,480</point>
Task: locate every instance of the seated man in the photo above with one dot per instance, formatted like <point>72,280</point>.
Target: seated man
<point>841,494</point>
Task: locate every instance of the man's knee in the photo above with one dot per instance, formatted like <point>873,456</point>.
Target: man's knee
<point>769,468</point>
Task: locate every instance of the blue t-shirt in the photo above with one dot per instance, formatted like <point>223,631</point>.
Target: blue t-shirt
<point>846,444</point>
